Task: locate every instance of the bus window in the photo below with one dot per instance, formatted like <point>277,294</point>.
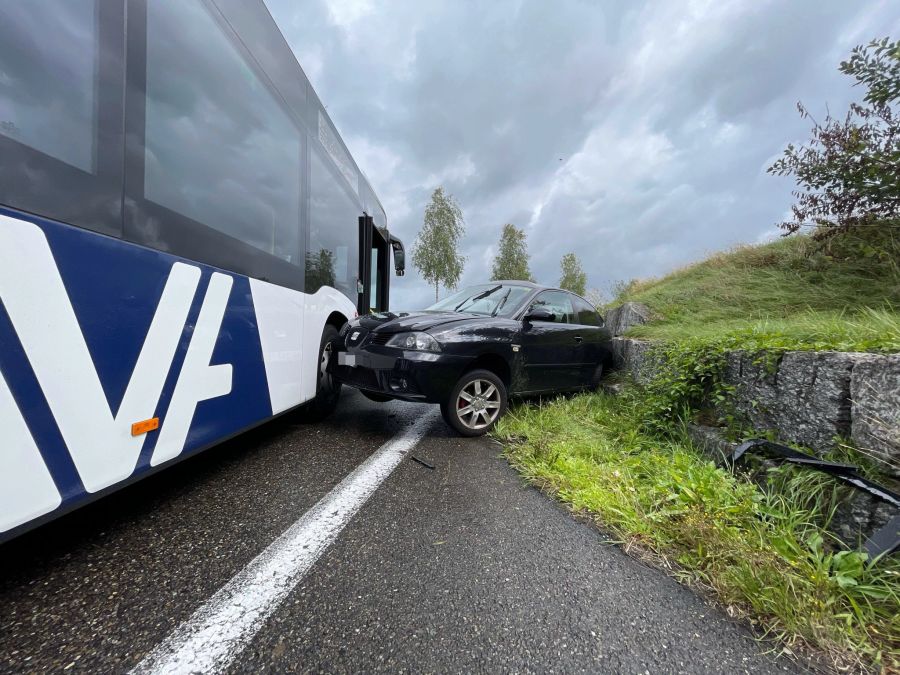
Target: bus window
<point>219,148</point>
<point>48,92</point>
<point>333,255</point>
<point>61,141</point>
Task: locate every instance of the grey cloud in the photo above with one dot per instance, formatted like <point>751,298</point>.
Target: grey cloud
<point>663,120</point>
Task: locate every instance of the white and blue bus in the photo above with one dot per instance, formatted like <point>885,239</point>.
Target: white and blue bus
<point>182,230</point>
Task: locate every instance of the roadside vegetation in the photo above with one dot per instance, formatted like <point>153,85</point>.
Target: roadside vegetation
<point>837,287</point>
<point>765,553</point>
<point>794,293</point>
<point>756,537</point>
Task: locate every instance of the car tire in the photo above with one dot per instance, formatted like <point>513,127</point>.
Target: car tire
<point>476,417</point>
<point>374,396</point>
<point>328,390</point>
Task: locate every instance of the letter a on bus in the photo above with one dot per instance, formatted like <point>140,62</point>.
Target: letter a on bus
<point>101,444</point>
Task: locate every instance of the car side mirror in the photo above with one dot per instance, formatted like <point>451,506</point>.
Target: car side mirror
<point>539,315</point>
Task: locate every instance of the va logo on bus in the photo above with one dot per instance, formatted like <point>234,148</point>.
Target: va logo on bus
<point>100,443</point>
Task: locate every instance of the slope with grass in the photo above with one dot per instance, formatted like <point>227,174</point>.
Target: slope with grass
<point>790,294</point>
<point>762,546</point>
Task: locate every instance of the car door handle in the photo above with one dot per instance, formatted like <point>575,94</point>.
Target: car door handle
<point>578,338</point>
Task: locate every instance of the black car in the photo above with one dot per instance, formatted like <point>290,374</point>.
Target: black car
<point>472,350</point>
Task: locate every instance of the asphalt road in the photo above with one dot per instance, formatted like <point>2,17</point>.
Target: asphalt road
<point>461,568</point>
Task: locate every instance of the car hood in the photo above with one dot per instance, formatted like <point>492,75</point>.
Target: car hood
<point>402,322</point>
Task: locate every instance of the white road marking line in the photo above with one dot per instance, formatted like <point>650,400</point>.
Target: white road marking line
<point>218,631</point>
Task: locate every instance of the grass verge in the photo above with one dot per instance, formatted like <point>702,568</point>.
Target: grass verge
<point>764,553</point>
<point>790,294</point>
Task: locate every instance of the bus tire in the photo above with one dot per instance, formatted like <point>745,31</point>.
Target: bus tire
<point>328,391</point>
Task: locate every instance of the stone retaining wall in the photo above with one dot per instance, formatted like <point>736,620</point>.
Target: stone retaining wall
<point>807,398</point>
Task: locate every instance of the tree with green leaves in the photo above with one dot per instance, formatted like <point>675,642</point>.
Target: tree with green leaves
<point>573,277</point>
<point>848,174</point>
<point>436,250</point>
<point>511,261</point>
<point>319,270</point>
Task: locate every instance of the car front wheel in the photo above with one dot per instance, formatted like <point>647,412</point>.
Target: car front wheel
<point>476,403</point>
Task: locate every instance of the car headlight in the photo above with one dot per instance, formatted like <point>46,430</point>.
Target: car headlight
<point>422,342</point>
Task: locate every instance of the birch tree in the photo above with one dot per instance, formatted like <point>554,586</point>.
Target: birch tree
<point>512,258</point>
<point>573,276</point>
<point>436,250</point>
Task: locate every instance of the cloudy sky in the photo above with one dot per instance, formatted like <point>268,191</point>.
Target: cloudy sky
<point>635,134</point>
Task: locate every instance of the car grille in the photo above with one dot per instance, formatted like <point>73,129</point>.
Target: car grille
<point>380,338</point>
<point>359,377</point>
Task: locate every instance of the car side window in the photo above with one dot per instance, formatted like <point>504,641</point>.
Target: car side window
<point>557,302</point>
<point>587,315</point>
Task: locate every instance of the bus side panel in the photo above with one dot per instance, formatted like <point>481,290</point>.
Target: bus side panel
<point>281,335</point>
<point>159,336</point>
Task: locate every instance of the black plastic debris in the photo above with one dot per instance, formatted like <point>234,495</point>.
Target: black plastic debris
<point>885,540</point>
<point>422,462</point>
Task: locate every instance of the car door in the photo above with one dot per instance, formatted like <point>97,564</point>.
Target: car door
<point>552,348</point>
<point>592,336</point>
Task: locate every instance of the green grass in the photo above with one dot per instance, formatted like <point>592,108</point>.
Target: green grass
<point>788,293</point>
<point>765,554</point>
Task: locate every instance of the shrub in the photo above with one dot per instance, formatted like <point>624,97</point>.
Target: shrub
<point>848,175</point>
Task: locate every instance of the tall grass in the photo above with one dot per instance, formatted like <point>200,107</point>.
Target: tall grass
<point>765,553</point>
<point>788,290</point>
<point>866,330</point>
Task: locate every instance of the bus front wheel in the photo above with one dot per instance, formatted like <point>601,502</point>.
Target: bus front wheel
<point>328,390</point>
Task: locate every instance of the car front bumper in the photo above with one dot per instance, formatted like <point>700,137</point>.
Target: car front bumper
<point>407,375</point>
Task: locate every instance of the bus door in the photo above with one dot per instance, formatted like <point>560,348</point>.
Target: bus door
<point>374,268</point>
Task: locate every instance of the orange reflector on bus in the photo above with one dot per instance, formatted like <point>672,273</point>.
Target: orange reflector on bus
<point>139,428</point>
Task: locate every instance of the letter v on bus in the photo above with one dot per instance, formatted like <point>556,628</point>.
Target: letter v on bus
<point>101,444</point>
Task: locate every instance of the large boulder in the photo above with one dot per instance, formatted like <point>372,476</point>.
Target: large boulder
<point>755,389</point>
<point>636,357</point>
<point>621,318</point>
<point>813,401</point>
<point>804,396</point>
<point>875,396</point>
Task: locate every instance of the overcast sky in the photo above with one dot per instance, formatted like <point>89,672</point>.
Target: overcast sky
<point>635,134</point>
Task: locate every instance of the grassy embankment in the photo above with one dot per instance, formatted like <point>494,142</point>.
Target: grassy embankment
<point>784,295</point>
<point>627,460</point>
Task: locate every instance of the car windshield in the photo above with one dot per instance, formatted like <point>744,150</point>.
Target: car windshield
<point>487,299</point>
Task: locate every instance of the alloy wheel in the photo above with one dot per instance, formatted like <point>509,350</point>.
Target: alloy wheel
<point>478,404</point>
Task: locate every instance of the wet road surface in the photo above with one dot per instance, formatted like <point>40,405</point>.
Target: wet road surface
<point>460,568</point>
